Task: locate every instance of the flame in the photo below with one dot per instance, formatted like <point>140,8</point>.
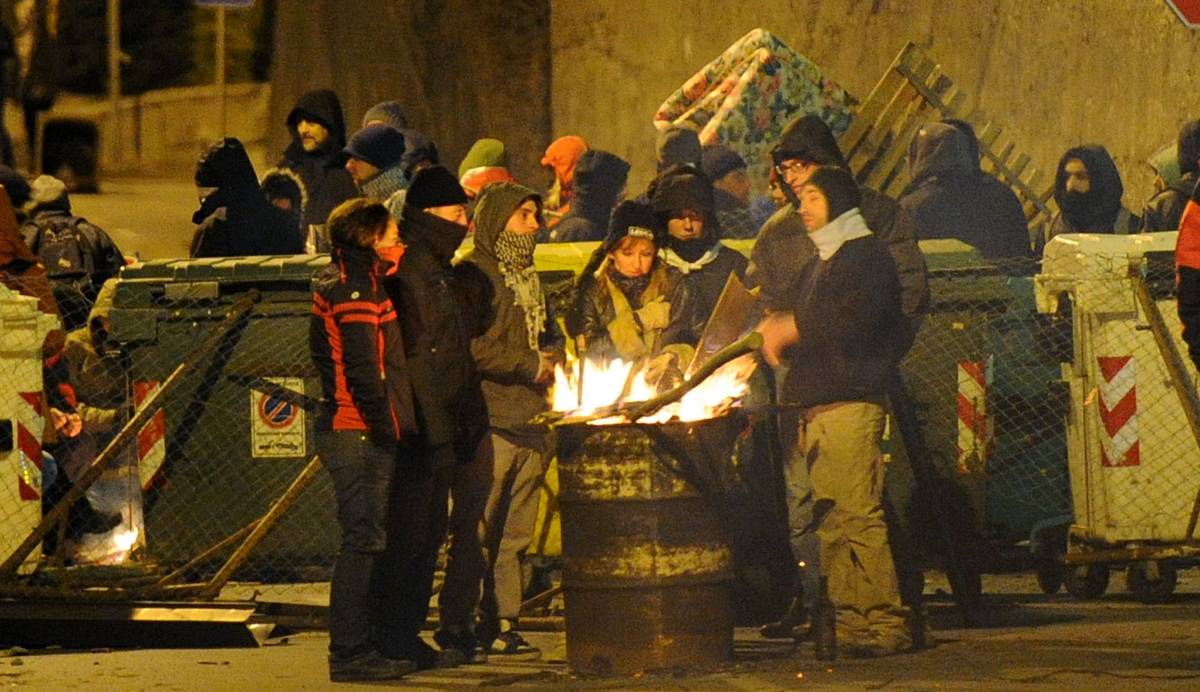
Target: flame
<point>604,382</point>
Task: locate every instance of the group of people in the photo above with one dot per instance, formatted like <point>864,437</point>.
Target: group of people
<point>432,365</point>
<point>432,368</point>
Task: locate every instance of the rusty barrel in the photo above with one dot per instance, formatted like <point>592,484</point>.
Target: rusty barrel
<point>648,569</point>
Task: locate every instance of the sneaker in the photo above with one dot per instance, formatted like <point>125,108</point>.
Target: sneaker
<point>513,647</point>
<point>463,641</point>
<point>368,666</point>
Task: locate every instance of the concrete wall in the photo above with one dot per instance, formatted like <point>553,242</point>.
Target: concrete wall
<point>161,132</point>
<point>463,69</point>
<point>1125,73</point>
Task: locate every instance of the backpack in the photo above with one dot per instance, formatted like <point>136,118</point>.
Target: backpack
<point>62,246</point>
<point>69,257</point>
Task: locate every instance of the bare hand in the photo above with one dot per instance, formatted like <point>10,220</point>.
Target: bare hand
<point>547,360</point>
<point>779,331</point>
<point>66,424</point>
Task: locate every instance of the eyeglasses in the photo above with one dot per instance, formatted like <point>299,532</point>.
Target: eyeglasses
<point>794,166</point>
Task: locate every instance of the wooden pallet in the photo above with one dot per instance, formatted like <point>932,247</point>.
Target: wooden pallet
<point>912,92</point>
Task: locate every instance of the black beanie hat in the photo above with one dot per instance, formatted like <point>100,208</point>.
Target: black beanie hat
<point>682,187</point>
<point>632,218</point>
<point>838,186</point>
<point>380,145</point>
<point>1189,147</point>
<point>434,186</point>
<point>677,144</point>
<point>718,161</point>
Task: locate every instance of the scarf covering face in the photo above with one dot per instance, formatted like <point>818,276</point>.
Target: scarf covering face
<point>830,237</point>
<point>515,254</point>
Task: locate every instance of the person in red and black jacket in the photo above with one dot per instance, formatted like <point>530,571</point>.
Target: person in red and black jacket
<point>366,411</point>
<point>1187,274</point>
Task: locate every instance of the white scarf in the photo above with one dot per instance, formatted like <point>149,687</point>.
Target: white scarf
<point>830,237</point>
<point>685,267</point>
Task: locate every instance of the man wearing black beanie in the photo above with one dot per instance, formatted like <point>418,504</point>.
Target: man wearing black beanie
<point>683,200</point>
<point>433,302</point>
<point>843,337</point>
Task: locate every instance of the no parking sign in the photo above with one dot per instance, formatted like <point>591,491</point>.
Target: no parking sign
<point>276,424</point>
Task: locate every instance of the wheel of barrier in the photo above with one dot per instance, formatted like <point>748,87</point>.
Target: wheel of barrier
<point>1151,582</point>
<point>1086,582</point>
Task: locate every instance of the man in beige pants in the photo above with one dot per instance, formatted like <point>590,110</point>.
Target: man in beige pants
<point>842,340</point>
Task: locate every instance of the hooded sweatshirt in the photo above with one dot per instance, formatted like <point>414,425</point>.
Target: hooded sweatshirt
<point>326,181</point>
<point>599,179</point>
<point>561,157</point>
<point>505,357</point>
<point>783,247</point>
<point>1099,210</point>
<point>1177,166</point>
<point>236,219</point>
<point>950,197</point>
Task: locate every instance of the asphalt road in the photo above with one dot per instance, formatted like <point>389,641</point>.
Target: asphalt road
<point>150,218</point>
<point>1029,641</point>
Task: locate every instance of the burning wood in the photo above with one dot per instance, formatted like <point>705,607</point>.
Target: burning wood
<point>611,392</point>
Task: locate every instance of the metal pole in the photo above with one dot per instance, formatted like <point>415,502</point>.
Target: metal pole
<point>114,80</point>
<point>221,68</point>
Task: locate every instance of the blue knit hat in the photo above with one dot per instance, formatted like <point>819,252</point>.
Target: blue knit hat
<point>380,145</point>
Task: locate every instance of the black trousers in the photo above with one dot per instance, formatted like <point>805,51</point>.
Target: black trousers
<point>403,576</point>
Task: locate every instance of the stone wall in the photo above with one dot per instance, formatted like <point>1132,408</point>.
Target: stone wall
<point>1124,73</point>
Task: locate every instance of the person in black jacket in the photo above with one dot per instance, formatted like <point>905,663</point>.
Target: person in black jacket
<point>842,337</point>
<point>950,197</point>
<point>783,247</point>
<point>318,131</point>
<point>683,200</point>
<point>1088,190</point>
<point>234,218</point>
<point>1165,208</point>
<point>599,185</point>
<point>79,256</point>
<point>366,412</point>
<point>440,309</point>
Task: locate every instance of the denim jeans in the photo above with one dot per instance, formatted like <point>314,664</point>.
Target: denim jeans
<point>362,477</point>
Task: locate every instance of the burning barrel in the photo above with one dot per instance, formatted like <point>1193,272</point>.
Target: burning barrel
<point>648,567</point>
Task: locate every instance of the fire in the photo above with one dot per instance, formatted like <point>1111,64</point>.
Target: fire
<point>606,385</point>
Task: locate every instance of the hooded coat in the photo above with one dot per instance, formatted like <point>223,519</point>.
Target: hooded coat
<point>502,353</point>
<point>326,181</point>
<point>439,312</point>
<point>950,197</point>
<point>561,157</point>
<point>684,187</point>
<point>1097,211</point>
<point>1164,210</point>
<point>783,246</point>
<point>599,179</point>
<point>236,219</point>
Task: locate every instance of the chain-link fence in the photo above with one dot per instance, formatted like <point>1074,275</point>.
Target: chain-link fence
<point>1041,392</point>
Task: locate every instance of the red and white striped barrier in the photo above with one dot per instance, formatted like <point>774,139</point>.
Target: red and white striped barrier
<point>151,439</point>
<point>976,436</point>
<point>29,444</point>
<point>1118,411</point>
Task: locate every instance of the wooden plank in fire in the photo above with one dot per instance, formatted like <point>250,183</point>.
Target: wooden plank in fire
<point>911,92</point>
